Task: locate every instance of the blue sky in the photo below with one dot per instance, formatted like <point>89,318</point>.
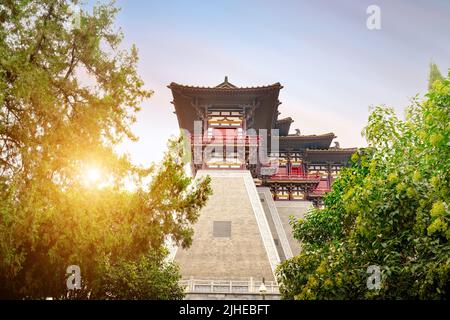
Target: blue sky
<point>331,66</point>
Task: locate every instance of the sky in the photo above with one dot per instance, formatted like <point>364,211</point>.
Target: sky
<point>331,65</point>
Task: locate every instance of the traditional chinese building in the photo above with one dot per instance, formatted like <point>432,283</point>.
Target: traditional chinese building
<point>305,165</point>
<point>243,232</point>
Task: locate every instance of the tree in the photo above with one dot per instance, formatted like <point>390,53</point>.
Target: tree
<point>150,277</point>
<point>434,75</point>
<point>68,95</point>
<point>390,209</point>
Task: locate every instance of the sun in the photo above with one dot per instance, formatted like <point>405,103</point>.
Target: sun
<point>92,176</point>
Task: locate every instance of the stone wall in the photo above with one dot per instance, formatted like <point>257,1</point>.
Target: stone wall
<point>297,209</point>
<point>249,251</point>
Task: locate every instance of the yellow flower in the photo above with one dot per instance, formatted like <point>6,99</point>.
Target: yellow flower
<point>422,135</point>
<point>321,267</point>
<point>438,209</point>
<point>437,225</point>
<point>328,283</point>
<point>401,187</point>
<point>416,176</point>
<point>348,195</point>
<point>312,281</point>
<point>410,192</point>
<point>435,139</point>
<point>392,177</point>
<point>434,181</point>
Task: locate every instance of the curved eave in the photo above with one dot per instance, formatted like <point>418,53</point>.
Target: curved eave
<point>186,97</point>
<point>304,142</point>
<point>311,137</point>
<point>331,155</point>
<point>285,120</point>
<point>284,125</point>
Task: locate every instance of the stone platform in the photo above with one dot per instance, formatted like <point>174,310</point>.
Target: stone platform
<point>239,239</point>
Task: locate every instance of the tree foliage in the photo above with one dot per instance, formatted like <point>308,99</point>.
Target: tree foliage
<point>434,75</point>
<point>389,209</point>
<point>68,95</point>
<point>149,277</point>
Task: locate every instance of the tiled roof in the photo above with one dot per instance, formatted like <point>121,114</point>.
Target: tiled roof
<point>311,136</point>
<point>224,87</point>
<point>333,150</point>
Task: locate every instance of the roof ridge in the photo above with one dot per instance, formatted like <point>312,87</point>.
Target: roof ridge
<point>225,84</point>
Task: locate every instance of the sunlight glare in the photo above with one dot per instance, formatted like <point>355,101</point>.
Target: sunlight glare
<point>92,176</point>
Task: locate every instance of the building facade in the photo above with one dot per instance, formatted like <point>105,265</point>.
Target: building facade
<point>261,175</point>
<point>303,167</point>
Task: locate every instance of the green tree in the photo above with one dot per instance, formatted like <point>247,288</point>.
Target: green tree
<point>148,278</point>
<point>68,95</point>
<point>434,75</point>
<point>389,209</point>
